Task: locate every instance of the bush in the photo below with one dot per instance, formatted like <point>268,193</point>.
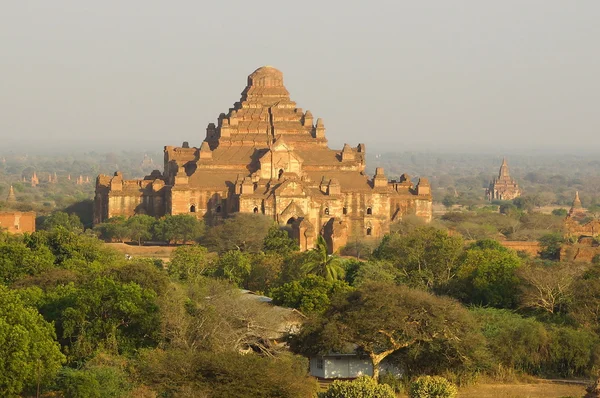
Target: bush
<point>432,387</point>
<point>391,380</point>
<point>363,387</point>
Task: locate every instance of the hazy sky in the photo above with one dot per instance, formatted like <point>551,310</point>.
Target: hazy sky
<point>446,75</point>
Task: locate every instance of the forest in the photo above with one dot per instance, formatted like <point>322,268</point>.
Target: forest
<point>444,301</point>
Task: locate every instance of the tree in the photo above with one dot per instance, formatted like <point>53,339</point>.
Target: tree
<point>320,263</point>
<point>311,294</point>
<point>139,227</point>
<point>265,270</point>
<point>278,241</point>
<point>18,260</point>
<point>243,232</point>
<point>234,266</point>
<point>550,245</point>
<point>381,319</point>
<point>68,221</point>
<point>29,353</point>
<point>115,228</point>
<point>188,263</point>
<point>179,228</point>
<point>549,288</point>
<point>224,374</point>
<point>560,212</point>
<point>117,317</point>
<point>487,276</point>
<point>427,257</point>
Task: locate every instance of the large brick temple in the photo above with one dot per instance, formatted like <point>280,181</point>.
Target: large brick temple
<point>268,156</point>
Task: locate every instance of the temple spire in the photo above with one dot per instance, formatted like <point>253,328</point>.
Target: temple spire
<point>577,201</point>
<point>504,169</point>
<point>11,195</point>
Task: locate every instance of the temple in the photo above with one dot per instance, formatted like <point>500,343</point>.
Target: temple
<point>503,187</point>
<point>268,156</point>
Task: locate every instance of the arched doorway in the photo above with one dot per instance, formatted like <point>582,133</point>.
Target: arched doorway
<point>192,208</point>
<point>291,221</point>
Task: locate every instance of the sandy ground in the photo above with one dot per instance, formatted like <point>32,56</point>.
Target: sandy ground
<point>542,390</point>
<point>160,252</point>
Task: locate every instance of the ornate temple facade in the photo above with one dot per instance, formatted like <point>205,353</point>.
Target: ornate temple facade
<point>503,187</point>
<point>268,156</point>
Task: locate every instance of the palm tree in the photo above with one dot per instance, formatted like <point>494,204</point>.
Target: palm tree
<point>320,263</point>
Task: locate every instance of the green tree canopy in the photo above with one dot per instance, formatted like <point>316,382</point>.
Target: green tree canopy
<point>188,263</point>
<point>381,319</point>
<point>28,350</point>
<point>311,294</point>
<point>70,222</point>
<point>179,228</point>
<point>243,232</point>
<point>278,241</point>
<point>427,256</point>
<point>487,276</point>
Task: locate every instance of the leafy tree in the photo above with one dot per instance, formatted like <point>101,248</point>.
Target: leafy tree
<point>560,212</point>
<point>143,271</point>
<point>115,228</point>
<point>487,276</point>
<point>100,377</point>
<point>224,374</point>
<point>188,263</point>
<point>550,245</point>
<point>264,272</point>
<point>179,228</point>
<point>311,294</point>
<point>29,353</point>
<point>515,342</point>
<point>139,227</point>
<point>68,221</point>
<point>18,260</point>
<point>320,263</point>
<point>278,241</point>
<point>427,257</point>
<point>104,313</point>
<point>243,232</point>
<point>363,387</point>
<point>234,266</point>
<point>371,271</point>
<point>585,308</point>
<point>381,319</point>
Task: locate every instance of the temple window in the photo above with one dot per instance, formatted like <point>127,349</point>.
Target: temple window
<point>369,231</point>
<point>280,173</point>
<point>369,211</point>
<point>326,211</point>
<point>192,208</point>
<point>345,210</point>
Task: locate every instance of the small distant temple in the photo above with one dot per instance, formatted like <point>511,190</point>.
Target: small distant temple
<point>503,187</point>
<point>581,232</point>
<point>267,156</point>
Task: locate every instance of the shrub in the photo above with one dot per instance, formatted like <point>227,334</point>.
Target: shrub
<point>432,387</point>
<point>363,387</point>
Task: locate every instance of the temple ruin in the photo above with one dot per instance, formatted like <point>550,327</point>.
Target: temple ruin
<point>270,157</point>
